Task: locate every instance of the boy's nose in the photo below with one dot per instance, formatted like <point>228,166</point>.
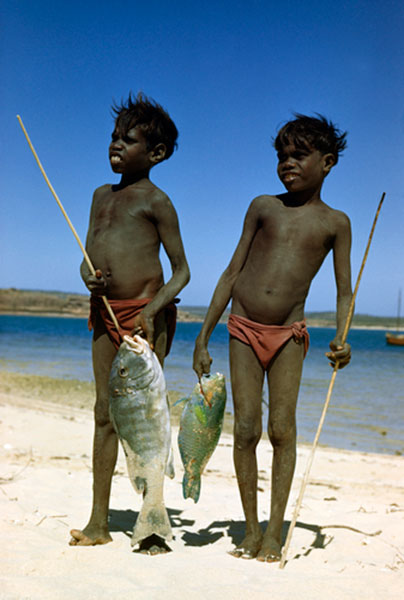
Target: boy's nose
<point>116,145</point>
<point>289,163</point>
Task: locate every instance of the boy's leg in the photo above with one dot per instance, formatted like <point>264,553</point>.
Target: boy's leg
<point>247,376</point>
<point>284,381</point>
<point>105,445</point>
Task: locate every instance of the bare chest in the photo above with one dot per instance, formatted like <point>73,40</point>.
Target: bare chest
<point>296,230</point>
<point>119,215</point>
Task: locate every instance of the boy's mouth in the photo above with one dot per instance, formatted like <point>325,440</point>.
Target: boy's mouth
<point>115,159</point>
<point>287,177</point>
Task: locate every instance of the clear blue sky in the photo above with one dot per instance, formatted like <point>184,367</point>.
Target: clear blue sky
<point>229,73</point>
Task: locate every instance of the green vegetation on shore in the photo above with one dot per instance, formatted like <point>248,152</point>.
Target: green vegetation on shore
<point>33,302</point>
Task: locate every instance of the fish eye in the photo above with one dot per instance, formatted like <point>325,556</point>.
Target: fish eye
<point>123,372</point>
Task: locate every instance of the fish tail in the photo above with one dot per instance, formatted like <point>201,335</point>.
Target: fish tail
<point>152,519</point>
<point>191,487</point>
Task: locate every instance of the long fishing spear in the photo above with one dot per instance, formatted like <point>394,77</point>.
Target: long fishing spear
<point>86,257</point>
<point>327,400</point>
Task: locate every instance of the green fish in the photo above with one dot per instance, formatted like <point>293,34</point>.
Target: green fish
<point>200,428</point>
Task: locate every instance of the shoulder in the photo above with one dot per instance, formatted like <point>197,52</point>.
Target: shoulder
<point>261,204</point>
<point>265,208</point>
<point>101,191</point>
<point>146,193</point>
<point>265,200</point>
<point>337,216</point>
<point>158,199</point>
<point>100,196</point>
<point>157,203</point>
<point>338,221</point>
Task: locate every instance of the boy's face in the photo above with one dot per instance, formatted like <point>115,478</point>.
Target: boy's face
<point>128,152</point>
<point>302,169</point>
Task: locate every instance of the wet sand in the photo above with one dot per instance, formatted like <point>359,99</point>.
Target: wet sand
<point>348,542</point>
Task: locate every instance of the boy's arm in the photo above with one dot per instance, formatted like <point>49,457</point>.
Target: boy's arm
<point>168,229</point>
<point>95,284</point>
<point>223,291</point>
<point>342,270</point>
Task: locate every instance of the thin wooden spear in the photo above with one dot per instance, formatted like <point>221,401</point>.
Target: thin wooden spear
<point>327,400</point>
<point>86,257</point>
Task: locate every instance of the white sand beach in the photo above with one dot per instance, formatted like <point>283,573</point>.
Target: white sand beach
<point>45,490</point>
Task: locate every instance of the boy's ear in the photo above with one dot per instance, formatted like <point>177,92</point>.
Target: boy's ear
<point>328,162</point>
<point>158,153</point>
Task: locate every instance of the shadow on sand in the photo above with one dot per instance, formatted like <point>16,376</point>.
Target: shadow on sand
<point>124,521</point>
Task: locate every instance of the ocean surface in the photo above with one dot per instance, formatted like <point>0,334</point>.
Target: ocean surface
<point>366,411</point>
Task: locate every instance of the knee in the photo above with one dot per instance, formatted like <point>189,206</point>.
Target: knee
<point>246,435</point>
<point>101,413</point>
<point>282,432</point>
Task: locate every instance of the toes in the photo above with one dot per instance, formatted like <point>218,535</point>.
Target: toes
<point>269,557</point>
<point>248,555</point>
<point>242,553</point>
<point>272,558</point>
<point>79,538</point>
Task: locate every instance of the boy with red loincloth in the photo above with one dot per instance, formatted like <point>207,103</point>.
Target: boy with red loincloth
<point>128,224</point>
<point>284,241</point>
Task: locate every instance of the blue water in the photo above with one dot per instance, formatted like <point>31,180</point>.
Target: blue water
<point>366,411</point>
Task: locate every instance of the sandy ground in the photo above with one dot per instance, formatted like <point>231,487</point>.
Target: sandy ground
<point>45,489</point>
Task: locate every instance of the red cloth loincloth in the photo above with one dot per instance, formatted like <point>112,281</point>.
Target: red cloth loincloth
<point>125,312</point>
<point>266,340</point>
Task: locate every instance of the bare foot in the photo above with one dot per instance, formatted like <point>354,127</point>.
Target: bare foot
<point>248,548</point>
<point>153,545</point>
<point>79,538</point>
<point>270,551</point>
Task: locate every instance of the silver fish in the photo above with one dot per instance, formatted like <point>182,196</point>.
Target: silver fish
<point>139,411</point>
<point>200,428</point>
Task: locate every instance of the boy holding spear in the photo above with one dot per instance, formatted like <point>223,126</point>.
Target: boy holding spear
<point>128,224</point>
<point>284,241</point>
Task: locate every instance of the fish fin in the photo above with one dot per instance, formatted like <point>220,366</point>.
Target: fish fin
<point>191,487</point>
<point>132,463</point>
<point>152,519</point>
<point>181,400</point>
<point>170,465</point>
<point>200,414</point>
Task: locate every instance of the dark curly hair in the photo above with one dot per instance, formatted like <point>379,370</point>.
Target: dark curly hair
<point>317,132</point>
<point>150,117</point>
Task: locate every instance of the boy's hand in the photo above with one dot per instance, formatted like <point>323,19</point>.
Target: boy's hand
<point>96,283</point>
<point>340,352</point>
<point>144,326</point>
<point>202,361</point>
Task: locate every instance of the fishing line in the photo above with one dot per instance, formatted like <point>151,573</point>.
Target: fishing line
<point>94,272</point>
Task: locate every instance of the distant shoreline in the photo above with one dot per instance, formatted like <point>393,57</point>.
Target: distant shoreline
<point>66,315</point>
<point>182,318</point>
<point>37,303</point>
